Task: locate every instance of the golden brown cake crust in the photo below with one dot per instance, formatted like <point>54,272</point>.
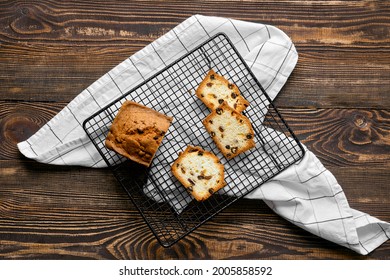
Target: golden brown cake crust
<point>216,89</point>
<point>137,132</point>
<point>199,171</point>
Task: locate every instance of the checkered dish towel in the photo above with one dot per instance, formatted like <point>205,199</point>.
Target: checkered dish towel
<point>306,194</point>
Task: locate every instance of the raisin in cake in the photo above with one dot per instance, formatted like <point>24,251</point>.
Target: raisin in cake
<point>215,89</point>
<point>199,171</point>
<point>230,130</point>
<point>137,132</point>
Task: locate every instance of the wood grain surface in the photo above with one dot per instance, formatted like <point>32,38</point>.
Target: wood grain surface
<point>337,101</point>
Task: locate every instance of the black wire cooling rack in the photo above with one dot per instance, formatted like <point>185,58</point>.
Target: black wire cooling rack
<point>167,208</point>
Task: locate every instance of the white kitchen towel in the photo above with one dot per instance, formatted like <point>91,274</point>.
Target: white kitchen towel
<point>306,194</point>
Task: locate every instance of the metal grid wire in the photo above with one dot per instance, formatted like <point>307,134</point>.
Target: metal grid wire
<point>167,208</point>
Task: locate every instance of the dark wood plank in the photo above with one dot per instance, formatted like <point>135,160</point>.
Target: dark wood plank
<point>339,137</point>
<point>43,216</point>
<point>343,137</point>
<point>324,79</point>
<point>334,23</point>
<point>19,121</point>
<point>63,48</point>
<point>338,79</point>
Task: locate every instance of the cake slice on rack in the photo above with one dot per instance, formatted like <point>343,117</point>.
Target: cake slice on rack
<point>199,171</point>
<point>216,89</point>
<point>231,131</point>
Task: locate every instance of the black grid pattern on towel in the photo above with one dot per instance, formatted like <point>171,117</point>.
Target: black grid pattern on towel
<point>164,204</point>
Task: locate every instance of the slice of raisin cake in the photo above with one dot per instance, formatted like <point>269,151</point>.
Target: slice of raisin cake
<point>215,89</point>
<point>199,171</point>
<point>230,130</point>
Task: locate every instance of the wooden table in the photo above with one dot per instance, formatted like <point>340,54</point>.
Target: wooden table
<point>337,101</point>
